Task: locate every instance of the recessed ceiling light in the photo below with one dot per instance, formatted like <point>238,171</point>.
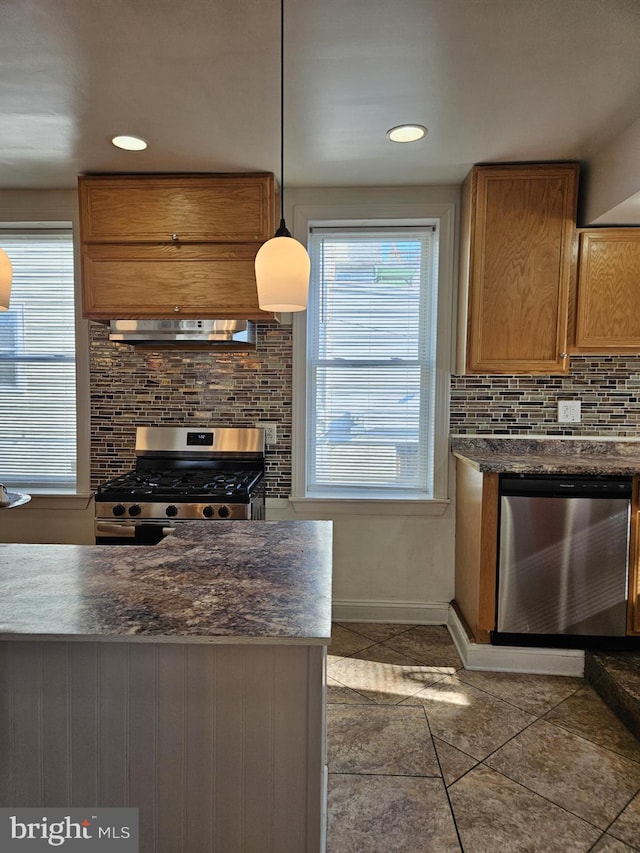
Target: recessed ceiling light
<point>407,133</point>
<point>129,143</point>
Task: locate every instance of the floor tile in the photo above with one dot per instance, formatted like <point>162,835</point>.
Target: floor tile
<point>535,694</point>
<point>453,762</point>
<point>469,719</point>
<point>345,642</point>
<point>627,826</point>
<point>427,644</point>
<point>609,844</point>
<point>389,814</point>
<point>383,675</point>
<point>390,740</point>
<point>494,813</point>
<point>584,778</point>
<point>559,772</point>
<point>338,694</point>
<point>584,713</point>
<point>377,631</point>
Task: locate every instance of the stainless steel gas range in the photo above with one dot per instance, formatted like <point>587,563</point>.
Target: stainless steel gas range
<point>182,474</point>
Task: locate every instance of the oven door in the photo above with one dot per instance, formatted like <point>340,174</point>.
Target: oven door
<point>129,532</point>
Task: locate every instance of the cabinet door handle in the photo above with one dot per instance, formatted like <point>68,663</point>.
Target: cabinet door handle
<point>563,355</point>
<point>176,308</point>
<point>175,237</point>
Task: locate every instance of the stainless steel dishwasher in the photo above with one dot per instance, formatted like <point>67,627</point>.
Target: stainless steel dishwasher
<point>563,558</point>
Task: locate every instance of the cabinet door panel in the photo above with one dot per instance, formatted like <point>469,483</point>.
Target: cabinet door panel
<point>633,607</point>
<point>153,281</point>
<point>608,301</point>
<point>134,209</point>
<point>520,264</point>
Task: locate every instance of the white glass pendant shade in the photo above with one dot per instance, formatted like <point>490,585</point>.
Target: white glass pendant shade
<point>5,281</point>
<point>282,275</point>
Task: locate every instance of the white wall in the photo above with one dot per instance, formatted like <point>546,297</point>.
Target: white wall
<point>395,568</point>
<point>55,520</point>
<point>612,185</point>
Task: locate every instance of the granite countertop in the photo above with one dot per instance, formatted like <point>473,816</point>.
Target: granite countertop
<point>548,455</point>
<point>226,581</point>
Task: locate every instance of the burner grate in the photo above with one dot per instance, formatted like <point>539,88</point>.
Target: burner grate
<point>191,484</point>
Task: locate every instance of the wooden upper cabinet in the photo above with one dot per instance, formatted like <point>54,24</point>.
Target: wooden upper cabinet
<point>157,246</point>
<point>608,294</point>
<point>186,208</point>
<point>181,280</point>
<point>517,263</point>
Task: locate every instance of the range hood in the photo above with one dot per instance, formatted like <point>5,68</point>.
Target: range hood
<point>221,334</point>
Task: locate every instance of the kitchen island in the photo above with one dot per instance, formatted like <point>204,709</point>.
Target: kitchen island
<point>184,679</point>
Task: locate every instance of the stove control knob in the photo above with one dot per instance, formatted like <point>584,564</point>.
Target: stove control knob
<point>171,511</point>
<point>223,512</point>
<point>135,509</point>
<point>208,512</point>
<point>118,509</point>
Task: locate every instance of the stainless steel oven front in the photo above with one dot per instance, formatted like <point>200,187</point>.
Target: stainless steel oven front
<point>110,530</point>
<point>182,475</point>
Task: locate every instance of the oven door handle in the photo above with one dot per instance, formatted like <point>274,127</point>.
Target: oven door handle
<point>115,528</point>
<point>125,529</point>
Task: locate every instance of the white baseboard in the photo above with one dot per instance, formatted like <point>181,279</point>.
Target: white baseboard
<point>482,656</point>
<point>394,612</point>
<point>514,658</point>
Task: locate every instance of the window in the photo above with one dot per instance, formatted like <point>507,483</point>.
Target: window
<point>38,362</point>
<point>371,382</point>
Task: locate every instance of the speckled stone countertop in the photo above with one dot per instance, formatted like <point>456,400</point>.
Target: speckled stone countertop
<point>226,581</point>
<point>548,455</point>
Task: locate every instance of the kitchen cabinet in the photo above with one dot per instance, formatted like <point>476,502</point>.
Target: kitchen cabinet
<point>476,549</point>
<point>517,263</point>
<point>173,245</point>
<point>608,292</point>
<point>633,613</point>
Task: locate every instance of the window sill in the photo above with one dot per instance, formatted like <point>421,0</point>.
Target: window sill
<point>328,507</point>
<point>49,500</point>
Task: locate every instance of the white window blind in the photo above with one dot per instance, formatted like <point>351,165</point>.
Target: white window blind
<point>37,363</point>
<point>371,346</point>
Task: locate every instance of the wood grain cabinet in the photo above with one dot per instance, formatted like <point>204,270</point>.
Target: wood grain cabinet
<point>633,609</point>
<point>608,292</point>
<point>476,549</point>
<point>173,245</point>
<point>517,263</point>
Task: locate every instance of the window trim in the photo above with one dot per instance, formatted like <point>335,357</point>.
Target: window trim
<point>371,213</point>
<point>55,209</point>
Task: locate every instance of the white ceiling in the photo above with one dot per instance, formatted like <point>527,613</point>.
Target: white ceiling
<point>493,80</point>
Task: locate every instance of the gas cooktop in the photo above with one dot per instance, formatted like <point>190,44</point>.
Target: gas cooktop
<point>171,485</point>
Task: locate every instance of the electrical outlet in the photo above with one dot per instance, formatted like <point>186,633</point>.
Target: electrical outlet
<point>568,411</point>
<point>270,431</point>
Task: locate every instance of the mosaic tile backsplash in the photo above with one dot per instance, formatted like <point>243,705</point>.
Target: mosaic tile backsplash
<point>607,386</point>
<point>133,387</point>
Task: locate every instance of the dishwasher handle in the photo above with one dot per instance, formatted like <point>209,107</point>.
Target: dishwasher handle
<point>565,486</point>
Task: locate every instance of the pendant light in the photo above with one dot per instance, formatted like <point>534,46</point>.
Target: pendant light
<point>5,281</point>
<point>282,263</point>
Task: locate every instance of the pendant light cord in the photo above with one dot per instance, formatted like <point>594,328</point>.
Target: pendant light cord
<point>282,229</point>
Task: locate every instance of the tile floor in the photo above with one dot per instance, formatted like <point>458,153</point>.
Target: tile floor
<point>427,756</point>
